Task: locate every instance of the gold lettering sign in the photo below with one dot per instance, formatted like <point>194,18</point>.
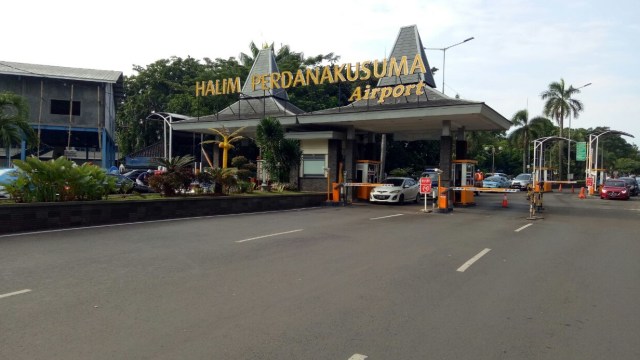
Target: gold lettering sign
<point>328,75</point>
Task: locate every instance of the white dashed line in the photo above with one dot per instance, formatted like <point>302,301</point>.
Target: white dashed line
<point>386,217</point>
<point>15,293</point>
<point>358,357</point>
<point>466,265</point>
<point>523,227</point>
<point>270,235</point>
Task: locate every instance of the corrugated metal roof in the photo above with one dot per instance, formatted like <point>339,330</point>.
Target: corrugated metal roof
<point>59,72</point>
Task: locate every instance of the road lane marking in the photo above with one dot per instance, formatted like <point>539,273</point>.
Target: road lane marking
<point>155,221</point>
<point>523,227</point>
<point>466,265</point>
<point>358,357</point>
<point>385,217</point>
<point>15,293</point>
<point>270,235</point>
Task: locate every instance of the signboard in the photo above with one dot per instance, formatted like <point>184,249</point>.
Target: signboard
<point>425,185</point>
<point>581,151</point>
<point>589,181</point>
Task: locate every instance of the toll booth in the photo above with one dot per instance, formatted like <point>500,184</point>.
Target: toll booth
<point>599,176</point>
<point>462,173</point>
<point>366,172</point>
<point>544,175</point>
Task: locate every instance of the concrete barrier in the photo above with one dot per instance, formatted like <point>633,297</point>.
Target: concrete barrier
<point>44,216</point>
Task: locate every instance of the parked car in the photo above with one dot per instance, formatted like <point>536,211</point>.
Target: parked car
<point>631,184</point>
<point>496,181</point>
<point>7,176</point>
<point>396,190</point>
<point>614,189</point>
<point>124,185</point>
<point>133,174</point>
<point>522,181</point>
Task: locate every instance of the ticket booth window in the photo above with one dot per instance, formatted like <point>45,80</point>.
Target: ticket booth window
<point>313,165</point>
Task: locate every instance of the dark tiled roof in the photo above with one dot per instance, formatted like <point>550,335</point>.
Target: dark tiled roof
<point>152,151</point>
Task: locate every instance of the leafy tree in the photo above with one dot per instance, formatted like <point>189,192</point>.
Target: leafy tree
<point>280,154</point>
<point>560,104</point>
<point>529,130</point>
<point>14,117</point>
<point>627,166</point>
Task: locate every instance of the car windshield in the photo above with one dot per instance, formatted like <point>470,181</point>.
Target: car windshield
<point>493,178</point>
<point>8,176</point>
<point>523,177</point>
<point>618,183</point>
<point>394,182</point>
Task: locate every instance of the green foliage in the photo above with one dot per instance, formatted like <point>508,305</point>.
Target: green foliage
<point>223,179</point>
<point>627,166</point>
<point>176,179</point>
<point>14,120</point>
<point>280,154</point>
<point>401,172</point>
<point>59,180</point>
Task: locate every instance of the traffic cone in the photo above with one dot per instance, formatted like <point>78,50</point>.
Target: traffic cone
<point>560,188</point>
<point>505,203</point>
<point>582,196</point>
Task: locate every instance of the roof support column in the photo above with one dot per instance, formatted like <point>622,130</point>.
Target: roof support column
<point>461,144</point>
<point>349,158</point>
<point>445,159</point>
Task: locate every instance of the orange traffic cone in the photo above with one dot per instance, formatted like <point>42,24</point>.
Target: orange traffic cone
<point>505,203</point>
<point>560,188</point>
<point>582,196</point>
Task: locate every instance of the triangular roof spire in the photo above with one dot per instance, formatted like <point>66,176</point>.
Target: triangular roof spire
<point>265,63</point>
<point>408,43</point>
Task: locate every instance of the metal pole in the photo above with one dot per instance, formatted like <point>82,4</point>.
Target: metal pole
<point>444,54</point>
<point>569,148</point>
<point>164,138</point>
<point>170,137</point>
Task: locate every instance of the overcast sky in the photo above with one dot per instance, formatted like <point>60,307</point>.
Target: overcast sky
<point>519,47</point>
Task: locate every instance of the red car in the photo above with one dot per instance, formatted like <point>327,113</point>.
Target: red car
<point>614,189</point>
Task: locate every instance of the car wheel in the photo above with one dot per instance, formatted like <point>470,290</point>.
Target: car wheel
<point>401,199</point>
<point>417,200</point>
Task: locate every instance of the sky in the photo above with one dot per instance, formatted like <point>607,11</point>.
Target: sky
<point>519,46</point>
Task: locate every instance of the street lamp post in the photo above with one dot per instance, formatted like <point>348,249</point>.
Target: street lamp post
<point>492,150</point>
<point>444,54</point>
<point>569,137</point>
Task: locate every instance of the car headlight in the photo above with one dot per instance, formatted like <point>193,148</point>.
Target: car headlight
<point>604,191</point>
<point>624,191</point>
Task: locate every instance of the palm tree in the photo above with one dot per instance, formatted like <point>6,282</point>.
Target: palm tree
<point>559,105</point>
<point>529,129</point>
<point>14,116</point>
<point>225,143</point>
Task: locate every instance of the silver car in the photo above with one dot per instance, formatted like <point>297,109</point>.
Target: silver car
<point>396,190</point>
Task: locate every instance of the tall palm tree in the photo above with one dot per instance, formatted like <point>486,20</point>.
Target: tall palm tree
<point>559,104</point>
<point>14,117</point>
<point>225,144</point>
<point>529,129</point>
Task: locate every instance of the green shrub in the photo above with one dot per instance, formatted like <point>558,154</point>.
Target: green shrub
<point>59,180</point>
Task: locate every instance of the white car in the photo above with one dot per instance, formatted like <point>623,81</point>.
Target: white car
<point>396,190</point>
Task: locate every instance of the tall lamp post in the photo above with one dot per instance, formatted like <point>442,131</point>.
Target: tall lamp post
<point>444,54</point>
<point>569,137</point>
<point>492,150</point>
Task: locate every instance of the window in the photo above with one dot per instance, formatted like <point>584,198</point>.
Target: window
<point>313,165</point>
<point>61,107</point>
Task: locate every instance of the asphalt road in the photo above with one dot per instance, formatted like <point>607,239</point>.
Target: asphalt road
<point>364,281</point>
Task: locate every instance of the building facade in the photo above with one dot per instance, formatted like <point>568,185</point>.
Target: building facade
<point>71,110</point>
